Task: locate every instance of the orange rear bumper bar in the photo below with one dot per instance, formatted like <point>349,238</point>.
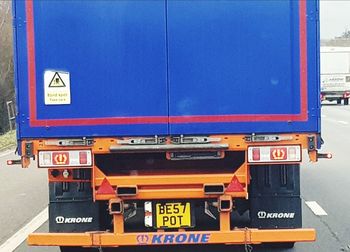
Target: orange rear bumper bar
<point>235,236</point>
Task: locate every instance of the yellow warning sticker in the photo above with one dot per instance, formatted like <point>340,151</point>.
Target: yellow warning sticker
<point>57,87</point>
<point>57,81</point>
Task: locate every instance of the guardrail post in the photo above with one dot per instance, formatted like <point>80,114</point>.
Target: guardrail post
<point>11,113</point>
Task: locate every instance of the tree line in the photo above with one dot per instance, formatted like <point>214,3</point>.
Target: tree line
<point>6,63</point>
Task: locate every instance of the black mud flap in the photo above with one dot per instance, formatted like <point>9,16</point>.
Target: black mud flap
<point>274,180</point>
<point>72,209</point>
<point>274,196</point>
<point>275,212</point>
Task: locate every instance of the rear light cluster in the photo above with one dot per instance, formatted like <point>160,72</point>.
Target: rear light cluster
<point>267,154</point>
<point>65,158</point>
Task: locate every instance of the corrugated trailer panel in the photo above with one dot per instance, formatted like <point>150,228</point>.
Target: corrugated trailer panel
<point>166,67</point>
<point>115,54</point>
<point>241,64</point>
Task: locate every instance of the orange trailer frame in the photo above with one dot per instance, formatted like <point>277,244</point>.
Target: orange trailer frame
<point>174,186</point>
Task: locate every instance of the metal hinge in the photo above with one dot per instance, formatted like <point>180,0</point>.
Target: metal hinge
<point>143,141</point>
<point>70,142</point>
<point>267,138</point>
<point>194,140</point>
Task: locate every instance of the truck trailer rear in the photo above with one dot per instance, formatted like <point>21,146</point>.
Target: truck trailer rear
<point>335,74</point>
<point>160,122</point>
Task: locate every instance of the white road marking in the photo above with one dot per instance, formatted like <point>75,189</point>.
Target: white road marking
<point>15,240</point>
<point>335,121</point>
<point>6,153</point>
<point>343,122</point>
<point>315,208</point>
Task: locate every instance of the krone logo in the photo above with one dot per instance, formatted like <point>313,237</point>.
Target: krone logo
<point>59,219</point>
<point>261,215</point>
<point>265,215</point>
<point>142,239</point>
<point>73,220</point>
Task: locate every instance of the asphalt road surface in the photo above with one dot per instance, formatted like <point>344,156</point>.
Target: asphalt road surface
<point>24,195</point>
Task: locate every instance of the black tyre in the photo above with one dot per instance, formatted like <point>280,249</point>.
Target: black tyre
<point>280,245</point>
<point>77,249</point>
<point>338,101</point>
<point>288,244</point>
<point>346,101</point>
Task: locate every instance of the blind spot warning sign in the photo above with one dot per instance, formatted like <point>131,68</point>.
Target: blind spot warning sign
<point>57,81</point>
<point>57,87</point>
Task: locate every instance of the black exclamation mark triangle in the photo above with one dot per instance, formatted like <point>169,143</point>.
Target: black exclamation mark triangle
<point>57,81</point>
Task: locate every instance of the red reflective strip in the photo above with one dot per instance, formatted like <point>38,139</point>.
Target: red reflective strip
<point>303,60</point>
<point>234,118</point>
<point>34,122</point>
<point>31,61</point>
<point>100,121</point>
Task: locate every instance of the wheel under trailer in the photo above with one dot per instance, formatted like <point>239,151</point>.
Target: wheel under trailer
<point>99,185</point>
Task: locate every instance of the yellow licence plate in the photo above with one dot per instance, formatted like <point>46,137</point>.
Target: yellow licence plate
<point>173,215</point>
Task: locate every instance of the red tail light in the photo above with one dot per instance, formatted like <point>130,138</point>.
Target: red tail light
<point>325,155</point>
<point>83,157</point>
<point>65,158</point>
<point>268,154</point>
<point>256,154</point>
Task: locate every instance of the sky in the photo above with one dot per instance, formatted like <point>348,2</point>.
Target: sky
<point>334,17</point>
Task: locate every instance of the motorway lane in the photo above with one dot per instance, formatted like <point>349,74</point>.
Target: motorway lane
<point>326,182</point>
<point>23,195</point>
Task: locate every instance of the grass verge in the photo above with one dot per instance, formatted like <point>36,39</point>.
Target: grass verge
<point>8,140</point>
